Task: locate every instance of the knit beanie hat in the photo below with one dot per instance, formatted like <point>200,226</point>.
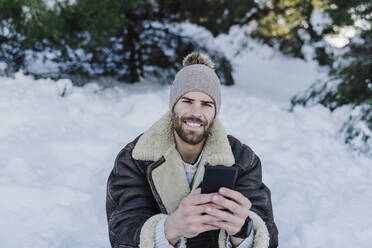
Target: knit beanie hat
<point>197,74</point>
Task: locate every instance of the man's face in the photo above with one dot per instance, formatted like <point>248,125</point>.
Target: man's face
<point>193,117</point>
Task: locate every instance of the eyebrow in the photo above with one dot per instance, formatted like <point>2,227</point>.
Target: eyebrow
<point>191,100</point>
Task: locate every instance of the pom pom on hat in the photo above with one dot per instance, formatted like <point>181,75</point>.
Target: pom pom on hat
<point>197,58</point>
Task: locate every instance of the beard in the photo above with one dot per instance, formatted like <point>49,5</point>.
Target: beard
<point>192,137</point>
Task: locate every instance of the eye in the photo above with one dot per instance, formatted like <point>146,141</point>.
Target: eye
<point>186,101</point>
<point>208,105</point>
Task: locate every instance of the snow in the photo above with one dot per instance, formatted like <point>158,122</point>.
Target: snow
<point>320,20</point>
<point>342,38</point>
<point>52,3</point>
<point>3,68</point>
<point>265,73</point>
<point>57,153</point>
<point>58,143</point>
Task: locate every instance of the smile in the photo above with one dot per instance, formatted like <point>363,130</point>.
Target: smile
<point>192,124</point>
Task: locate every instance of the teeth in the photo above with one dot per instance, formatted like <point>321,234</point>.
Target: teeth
<point>193,124</point>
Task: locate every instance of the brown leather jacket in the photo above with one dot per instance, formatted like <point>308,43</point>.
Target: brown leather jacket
<point>132,197</point>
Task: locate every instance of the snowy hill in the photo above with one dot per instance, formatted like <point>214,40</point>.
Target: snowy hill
<point>57,152</point>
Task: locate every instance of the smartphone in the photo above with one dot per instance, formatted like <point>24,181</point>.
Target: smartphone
<point>216,176</point>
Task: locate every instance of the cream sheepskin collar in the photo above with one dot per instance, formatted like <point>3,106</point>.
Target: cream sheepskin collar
<point>159,139</point>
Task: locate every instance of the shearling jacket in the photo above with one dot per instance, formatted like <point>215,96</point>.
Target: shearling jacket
<point>148,181</point>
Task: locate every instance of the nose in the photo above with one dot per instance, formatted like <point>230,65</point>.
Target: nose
<point>196,110</point>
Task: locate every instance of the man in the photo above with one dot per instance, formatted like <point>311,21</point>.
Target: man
<point>153,191</point>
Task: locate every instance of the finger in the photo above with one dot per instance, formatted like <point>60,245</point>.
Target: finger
<point>226,216</point>
<point>203,219</point>
<point>197,199</point>
<point>201,209</point>
<point>236,196</point>
<point>196,210</point>
<point>228,227</point>
<point>230,205</point>
<point>213,205</point>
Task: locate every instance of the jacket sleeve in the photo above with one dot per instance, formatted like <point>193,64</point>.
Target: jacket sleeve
<point>249,183</point>
<point>129,201</point>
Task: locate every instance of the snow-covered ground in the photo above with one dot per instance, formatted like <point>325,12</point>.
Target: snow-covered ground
<point>57,152</point>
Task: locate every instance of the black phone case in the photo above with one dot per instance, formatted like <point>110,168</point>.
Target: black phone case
<point>218,176</point>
